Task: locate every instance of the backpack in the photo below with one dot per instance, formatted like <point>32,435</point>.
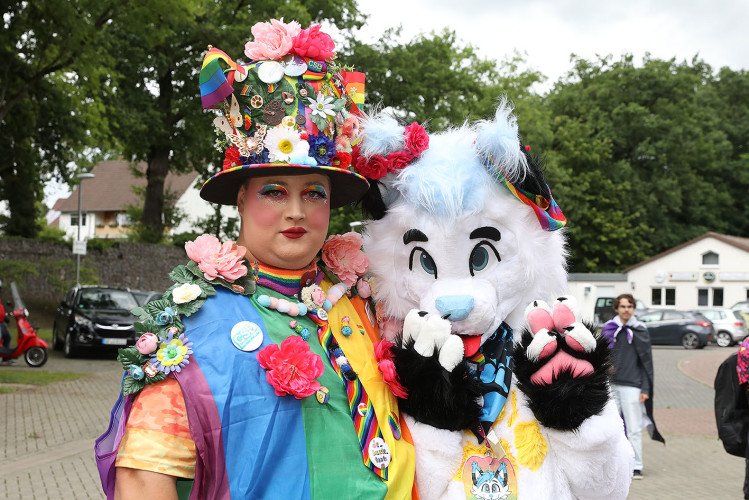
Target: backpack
<point>731,408</point>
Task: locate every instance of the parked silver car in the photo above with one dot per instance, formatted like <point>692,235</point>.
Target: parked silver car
<point>730,327</point>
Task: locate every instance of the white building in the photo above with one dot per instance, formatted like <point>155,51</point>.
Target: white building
<point>710,270</point>
<point>105,198</point>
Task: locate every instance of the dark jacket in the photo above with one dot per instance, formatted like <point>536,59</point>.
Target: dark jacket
<point>640,340</point>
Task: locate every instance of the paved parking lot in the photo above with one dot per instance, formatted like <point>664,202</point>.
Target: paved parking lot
<point>46,444</point>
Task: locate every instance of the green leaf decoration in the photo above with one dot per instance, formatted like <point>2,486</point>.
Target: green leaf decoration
<point>154,307</point>
<point>192,266</point>
<point>156,378</point>
<point>321,122</point>
<point>206,288</point>
<point>191,307</point>
<point>130,356</point>
<point>132,386</point>
<point>181,274</point>
<point>140,312</point>
<point>338,105</point>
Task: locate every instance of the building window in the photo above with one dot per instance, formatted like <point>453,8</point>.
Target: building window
<point>123,219</point>
<point>74,219</point>
<point>710,259</point>
<point>704,295</point>
<point>663,297</point>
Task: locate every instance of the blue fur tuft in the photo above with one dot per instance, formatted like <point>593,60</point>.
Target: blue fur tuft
<point>497,141</point>
<point>447,179</point>
<point>382,135</point>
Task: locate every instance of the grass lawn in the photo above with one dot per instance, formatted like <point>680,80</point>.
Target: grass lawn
<point>36,377</point>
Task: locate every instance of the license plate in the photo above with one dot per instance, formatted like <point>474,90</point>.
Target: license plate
<point>114,341</point>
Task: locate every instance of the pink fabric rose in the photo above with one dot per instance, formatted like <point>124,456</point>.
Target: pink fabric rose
<point>292,367</point>
<point>417,140</point>
<point>343,255</point>
<point>314,44</point>
<point>375,168</point>
<point>399,160</point>
<point>215,259</point>
<point>273,40</point>
<point>384,357</point>
<point>147,343</point>
<point>318,296</point>
<point>363,289</point>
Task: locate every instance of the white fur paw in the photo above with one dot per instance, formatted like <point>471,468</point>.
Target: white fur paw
<point>432,334</point>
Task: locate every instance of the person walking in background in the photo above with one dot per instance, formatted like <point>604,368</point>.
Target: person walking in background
<point>742,370</point>
<point>632,379</point>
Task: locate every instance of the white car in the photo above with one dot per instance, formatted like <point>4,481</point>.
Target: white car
<point>730,327</point>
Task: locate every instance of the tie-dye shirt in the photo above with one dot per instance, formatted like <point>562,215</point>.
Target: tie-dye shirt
<point>742,366</point>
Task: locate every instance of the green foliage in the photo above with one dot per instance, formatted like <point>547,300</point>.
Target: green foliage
<point>638,160</point>
<point>100,244</point>
<point>223,228</point>
<point>16,270</point>
<point>60,274</point>
<point>36,377</point>
<point>51,234</point>
<point>341,219</point>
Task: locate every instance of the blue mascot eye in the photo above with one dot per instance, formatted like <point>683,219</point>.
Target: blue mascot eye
<point>479,258</point>
<point>424,260</point>
<point>483,256</point>
<point>427,263</point>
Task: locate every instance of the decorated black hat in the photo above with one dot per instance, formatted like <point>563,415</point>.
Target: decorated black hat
<point>292,110</point>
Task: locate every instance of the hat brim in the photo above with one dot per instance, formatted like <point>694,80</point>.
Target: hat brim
<point>346,187</point>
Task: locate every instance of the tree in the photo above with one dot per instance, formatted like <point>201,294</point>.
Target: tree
<point>52,65</point>
<point>638,153</point>
<point>155,107</point>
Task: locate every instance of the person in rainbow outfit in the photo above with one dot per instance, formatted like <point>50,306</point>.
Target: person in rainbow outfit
<point>256,375</point>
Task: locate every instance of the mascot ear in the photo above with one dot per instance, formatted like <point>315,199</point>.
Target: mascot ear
<point>500,148</point>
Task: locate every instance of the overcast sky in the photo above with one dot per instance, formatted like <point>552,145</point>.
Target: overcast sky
<point>548,31</point>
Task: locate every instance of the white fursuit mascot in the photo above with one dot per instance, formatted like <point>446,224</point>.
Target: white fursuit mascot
<point>505,390</point>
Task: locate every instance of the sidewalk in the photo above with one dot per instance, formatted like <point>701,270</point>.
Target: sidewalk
<point>46,445</point>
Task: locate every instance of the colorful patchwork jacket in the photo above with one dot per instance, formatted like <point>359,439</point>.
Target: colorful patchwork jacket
<point>252,443</point>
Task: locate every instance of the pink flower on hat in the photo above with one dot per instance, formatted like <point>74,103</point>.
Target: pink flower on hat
<point>215,259</point>
<point>314,44</point>
<point>417,140</point>
<point>343,255</point>
<point>292,367</point>
<point>273,40</point>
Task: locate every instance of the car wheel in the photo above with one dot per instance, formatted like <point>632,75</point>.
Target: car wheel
<point>35,356</point>
<point>56,341</point>
<point>690,340</point>
<point>724,339</point>
<point>68,348</point>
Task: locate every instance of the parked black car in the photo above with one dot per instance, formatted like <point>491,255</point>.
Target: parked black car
<point>690,329</point>
<point>144,296</point>
<point>94,318</point>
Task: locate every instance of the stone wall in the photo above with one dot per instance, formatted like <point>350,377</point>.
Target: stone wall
<point>52,267</point>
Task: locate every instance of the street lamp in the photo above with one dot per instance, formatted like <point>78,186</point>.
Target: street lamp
<point>81,177</point>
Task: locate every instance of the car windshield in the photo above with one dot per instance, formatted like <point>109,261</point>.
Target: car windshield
<point>98,298</point>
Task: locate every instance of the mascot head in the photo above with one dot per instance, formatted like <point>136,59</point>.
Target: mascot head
<point>463,224</point>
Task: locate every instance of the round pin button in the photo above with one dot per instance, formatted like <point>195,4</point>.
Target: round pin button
<point>322,314</point>
<point>270,71</point>
<point>379,453</point>
<point>246,336</point>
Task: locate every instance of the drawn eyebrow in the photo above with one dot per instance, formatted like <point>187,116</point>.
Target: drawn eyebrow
<point>414,235</point>
<point>486,232</point>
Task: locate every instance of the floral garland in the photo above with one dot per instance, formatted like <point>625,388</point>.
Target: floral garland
<point>377,166</point>
<point>163,347</point>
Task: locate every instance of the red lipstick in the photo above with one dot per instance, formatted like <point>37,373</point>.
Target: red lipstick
<point>294,232</point>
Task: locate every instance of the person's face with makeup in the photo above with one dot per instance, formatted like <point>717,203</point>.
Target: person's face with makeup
<point>284,218</point>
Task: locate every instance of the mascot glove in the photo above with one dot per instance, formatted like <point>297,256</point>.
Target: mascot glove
<point>432,334</point>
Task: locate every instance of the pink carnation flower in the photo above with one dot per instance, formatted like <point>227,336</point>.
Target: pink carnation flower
<point>292,367</point>
<point>273,40</point>
<point>343,255</point>
<point>215,259</point>
<point>314,44</point>
<point>384,357</point>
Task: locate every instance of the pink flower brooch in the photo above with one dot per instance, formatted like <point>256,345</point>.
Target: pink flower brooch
<point>291,367</point>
